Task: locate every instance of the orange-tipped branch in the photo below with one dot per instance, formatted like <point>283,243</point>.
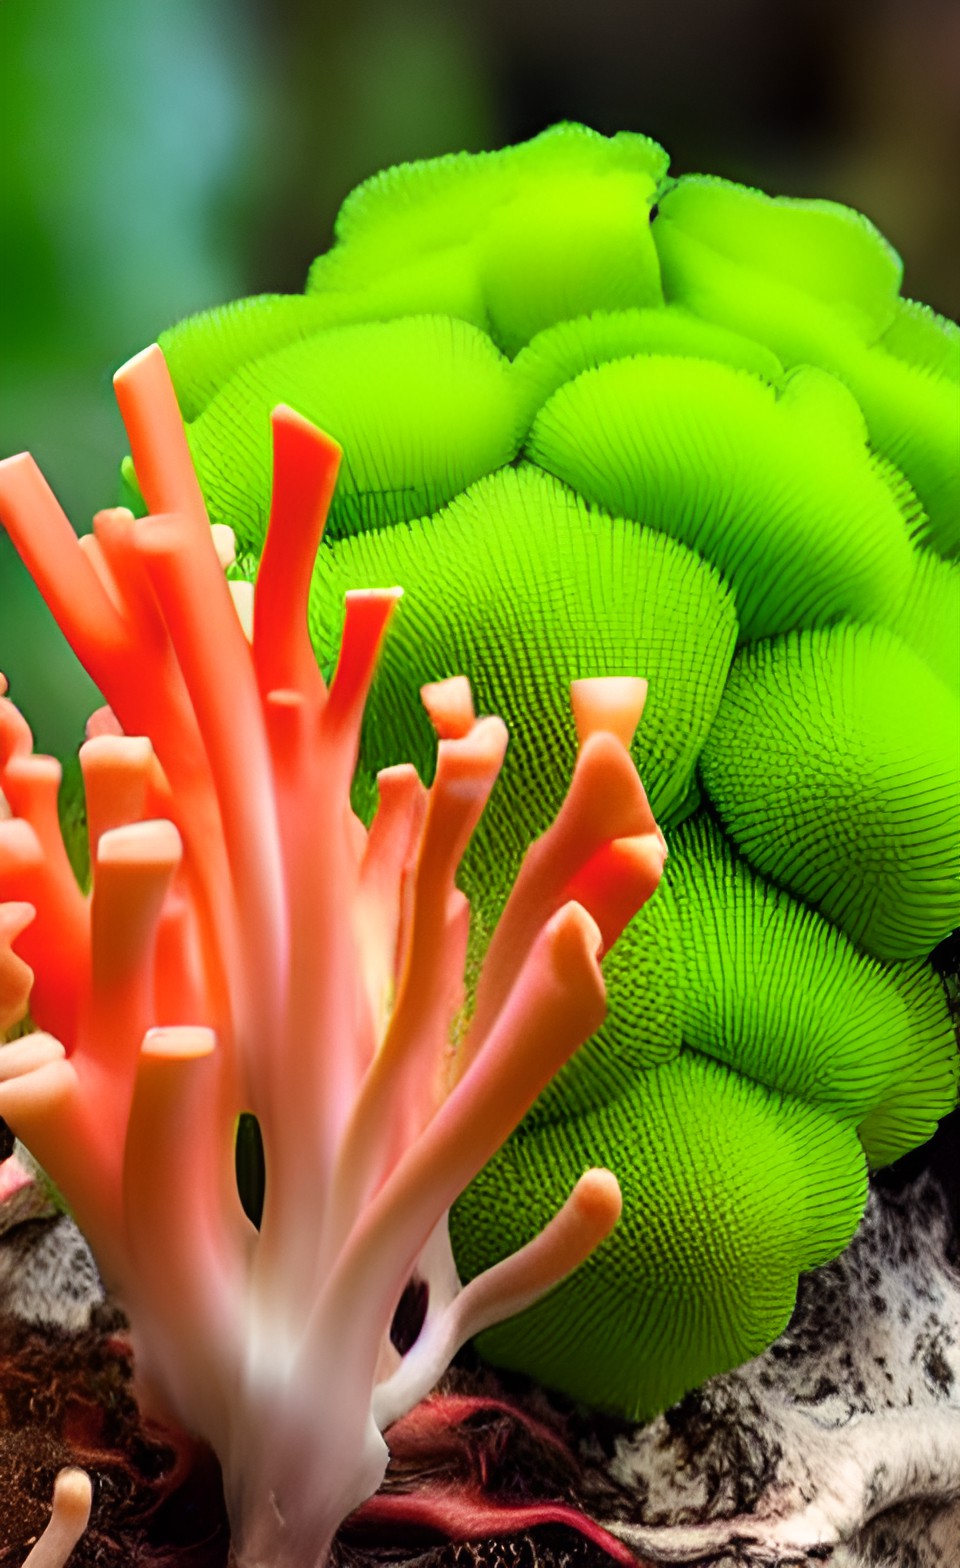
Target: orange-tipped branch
<point>558,1001</point>
<point>605,801</point>
<point>305,467</point>
<point>56,944</point>
<point>161,457</point>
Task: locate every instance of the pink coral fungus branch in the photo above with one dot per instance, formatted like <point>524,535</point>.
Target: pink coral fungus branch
<point>249,946</point>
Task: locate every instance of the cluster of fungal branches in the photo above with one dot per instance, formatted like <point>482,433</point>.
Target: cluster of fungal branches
<point>248,946</point>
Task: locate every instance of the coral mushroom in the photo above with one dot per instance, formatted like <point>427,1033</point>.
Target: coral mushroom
<point>249,946</point>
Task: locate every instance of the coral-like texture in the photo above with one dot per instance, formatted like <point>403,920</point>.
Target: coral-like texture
<point>608,422</point>
<point>249,946</point>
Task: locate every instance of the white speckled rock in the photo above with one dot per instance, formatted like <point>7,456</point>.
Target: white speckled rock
<point>840,1444</point>
<point>47,1272</point>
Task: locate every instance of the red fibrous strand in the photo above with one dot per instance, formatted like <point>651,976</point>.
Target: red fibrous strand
<point>249,945</point>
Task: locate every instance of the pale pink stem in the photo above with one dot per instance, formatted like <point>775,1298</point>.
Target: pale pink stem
<point>48,547</point>
<point>134,867</point>
<point>585,1220</point>
<point>612,704</point>
<point>164,467</point>
<point>115,649</point>
<point>164,709</point>
<point>41,1099</point>
<point>187,1236</point>
<point>324,1002</point>
<point>32,786</point>
<point>15,737</point>
<point>385,892</point>
<point>450,706</point>
<point>403,1085</point>
<point>93,551</point>
<point>367,614</point>
<point>72,1500</point>
<point>617,880</point>
<point>557,1003</point>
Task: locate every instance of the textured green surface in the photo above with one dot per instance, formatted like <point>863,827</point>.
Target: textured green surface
<point>834,763</point>
<point>551,593</point>
<point>598,421</point>
<point>421,406</point>
<point>714,457</point>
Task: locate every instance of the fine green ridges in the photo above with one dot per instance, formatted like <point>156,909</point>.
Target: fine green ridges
<point>600,421</point>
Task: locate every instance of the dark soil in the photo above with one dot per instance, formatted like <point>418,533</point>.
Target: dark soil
<point>66,1399</point>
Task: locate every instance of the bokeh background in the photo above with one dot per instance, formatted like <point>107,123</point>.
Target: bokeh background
<point>160,156</point>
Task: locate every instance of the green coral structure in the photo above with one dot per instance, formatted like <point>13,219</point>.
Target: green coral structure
<point>600,421</point>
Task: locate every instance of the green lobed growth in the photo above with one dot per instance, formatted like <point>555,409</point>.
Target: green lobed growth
<point>600,421</point>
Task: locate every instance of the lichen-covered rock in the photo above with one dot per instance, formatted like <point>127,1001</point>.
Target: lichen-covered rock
<point>598,421</point>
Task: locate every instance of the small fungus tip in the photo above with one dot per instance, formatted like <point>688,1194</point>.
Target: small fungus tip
<point>102,721</point>
<point>154,843</point>
<point>107,746</point>
<point>179,1042</point>
<point>449,705</point>
<point>225,543</point>
<point>15,916</point>
<point>69,1517</point>
<point>146,359</point>
<point>613,703</point>
<point>373,595</point>
<point>284,415</point>
<point>73,1491</point>
<point>476,755</point>
<point>16,461</point>
<point>598,1197</point>
<point>571,930</point>
<point>285,697</point>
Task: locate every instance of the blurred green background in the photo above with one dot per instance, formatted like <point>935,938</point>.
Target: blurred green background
<point>159,156</point>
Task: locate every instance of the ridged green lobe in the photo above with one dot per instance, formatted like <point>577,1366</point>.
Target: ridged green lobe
<point>519,587</point>
<point>780,995</point>
<point>929,617</point>
<point>729,1191</point>
<point>834,763</point>
<point>421,406</point>
<point>560,353</point>
<point>514,240</point>
<point>790,260</point>
<point>203,352</point>
<point>818,285</point>
<point>720,460</point>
